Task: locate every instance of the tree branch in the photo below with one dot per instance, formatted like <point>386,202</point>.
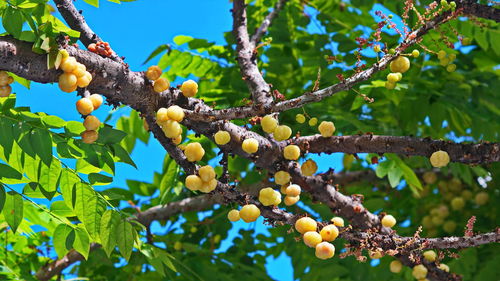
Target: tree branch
<point>246,57</point>
<point>459,152</point>
<point>268,20</point>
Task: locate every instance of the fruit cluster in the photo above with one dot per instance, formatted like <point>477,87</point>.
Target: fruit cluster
<point>168,119</point>
<point>320,241</point>
<point>160,84</point>
<point>398,66</point>
<point>269,197</point>
<point>75,74</point>
<point>248,213</point>
<point>446,60</point>
<point>205,180</point>
<point>293,194</point>
<point>301,118</point>
<point>86,106</point>
<point>270,125</point>
<point>5,81</point>
<point>101,48</point>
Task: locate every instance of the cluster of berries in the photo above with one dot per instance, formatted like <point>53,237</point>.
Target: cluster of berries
<point>5,81</point>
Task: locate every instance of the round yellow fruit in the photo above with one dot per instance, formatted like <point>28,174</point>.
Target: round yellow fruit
<point>305,224</point>
<point>393,77</point>
<point>233,215</point>
<point>178,246</point>
<point>67,80</point>
<point>89,136</point>
<point>375,255</point>
<point>5,91</point>
<point>326,129</point>
<point>329,233</point>
<point>338,221</point>
<point>91,123</point>
<point>250,145</point>
<point>400,64</point>
<point>281,177</point>
<point>193,182</point>
<point>289,200</point>
<point>206,173</point>
<point>189,88</point>
<point>293,190</point>
<point>80,70</point>
<point>481,198</point>
<point>4,78</point>
<point>222,137</point>
<point>439,159</point>
<point>160,85</point>
<point>415,53</point>
<point>429,177</point>
<point>84,106</point>
<point>249,213</point>
<point>194,152</point>
<point>325,250</point>
<point>430,255</point>
<point>268,196</point>
<point>68,65</point>
<point>208,186</point>
<point>395,266</point>
<point>84,80</point>
<point>171,128</point>
<point>161,116</point>
<point>300,118</point>
<point>419,271</point>
<point>153,72</point>
<point>175,113</point>
<point>96,100</point>
<point>457,203</point>
<point>313,121</point>
<point>177,139</point>
<point>444,267</point>
<point>282,132</point>
<point>312,238</point>
<point>441,54</point>
<point>291,152</point>
<point>451,67</point>
<point>308,168</point>
<point>388,221</point>
<point>269,123</point>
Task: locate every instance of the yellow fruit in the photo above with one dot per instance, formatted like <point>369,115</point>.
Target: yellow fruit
<point>80,70</point>
<point>178,246</point>
<point>193,182</point>
<point>481,198</point>
<point>68,65</point>
<point>389,85</point>
<point>177,139</point>
<point>250,145</point>
<point>457,203</point>
<point>289,200</point>
<point>376,48</point>
<point>300,118</point>
<point>308,168</point>
<point>415,53</point>
<point>444,267</point>
<point>329,233</point>
<point>312,238</point>
<point>441,54</point>
<point>83,81</point>
<point>5,79</point>
<point>429,177</point>
<point>269,123</point>
<point>430,255</point>
<point>160,85</point>
<point>91,123</point>
<point>10,80</point>
<point>171,129</point>
<point>175,113</point>
<point>452,67</point>
<point>388,221</point>
<point>67,80</point>
<point>326,129</point>
<point>452,57</point>
<point>325,250</point>
<point>153,72</point>
<point>444,61</point>
<point>281,177</point>
<point>305,224</point>
<point>194,152</point>
<point>161,116</point>
<point>189,88</point>
<point>393,77</point>
<point>338,221</point>
<point>400,64</point>
<point>268,196</point>
<point>293,190</point>
<point>291,152</point>
<point>206,173</point>
<point>283,189</point>
<point>96,100</point>
<point>208,186</point>
<point>439,159</point>
<point>282,132</point>
<point>84,106</point>
<point>222,137</point>
<point>233,215</point>
<point>313,121</point>
<point>249,213</point>
<point>5,91</point>
<point>375,255</point>
<point>89,136</point>
<point>419,271</point>
<point>396,266</point>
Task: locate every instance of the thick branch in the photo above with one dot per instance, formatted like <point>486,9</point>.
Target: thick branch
<point>260,90</point>
<point>266,23</point>
<point>459,152</point>
<point>471,7</point>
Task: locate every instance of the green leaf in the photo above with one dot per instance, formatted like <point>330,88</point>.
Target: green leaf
<point>61,209</point>
<point>94,3</point>
<point>68,188</point>
<point>49,178</point>
<point>182,39</point>
<point>42,143</point>
<point>53,121</point>
<point>108,234</point>
<point>82,241</point>
<point>2,197</point>
<point>108,135</point>
<point>156,52</point>
<point>64,237</point>
<point>394,176</point>
<point>12,20</point>
<point>168,181</point>
<point>13,209</point>
<point>88,208</point>
<point>125,238</point>
<point>9,172</point>
<point>98,179</point>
